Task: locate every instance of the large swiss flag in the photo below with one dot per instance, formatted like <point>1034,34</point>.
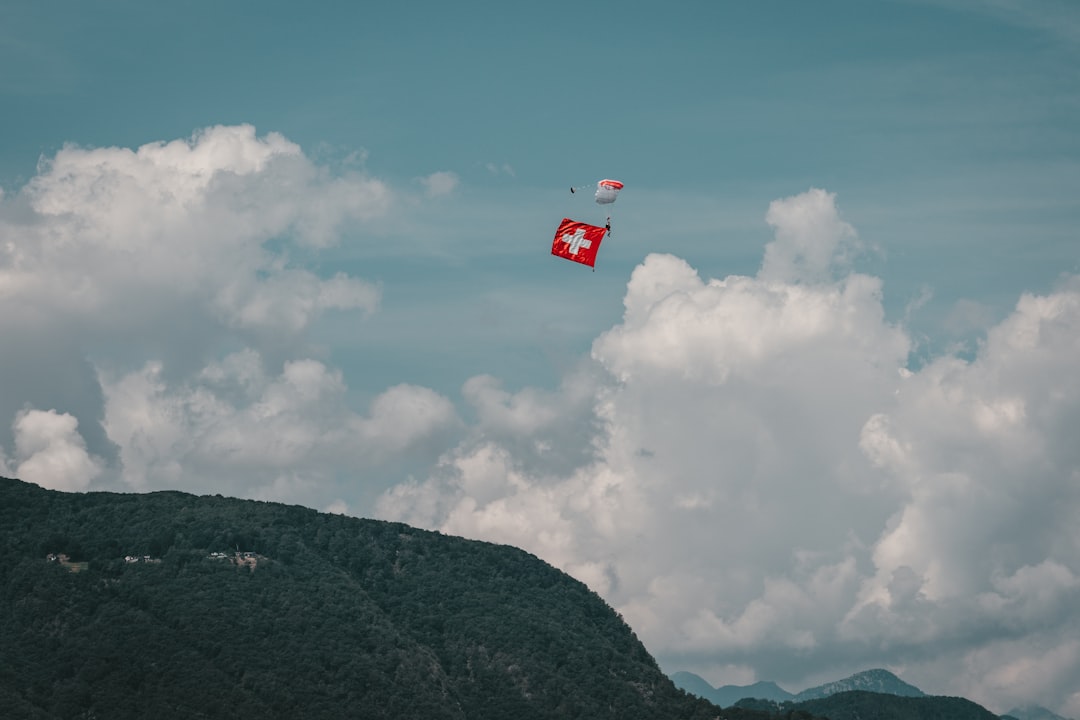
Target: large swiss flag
<point>577,241</point>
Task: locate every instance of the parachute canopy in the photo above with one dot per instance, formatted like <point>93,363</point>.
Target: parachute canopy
<point>607,191</point>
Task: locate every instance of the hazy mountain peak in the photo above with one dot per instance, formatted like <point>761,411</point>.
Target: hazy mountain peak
<point>728,695</point>
<point>876,680</point>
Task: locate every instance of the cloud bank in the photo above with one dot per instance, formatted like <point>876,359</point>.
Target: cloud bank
<point>156,303</point>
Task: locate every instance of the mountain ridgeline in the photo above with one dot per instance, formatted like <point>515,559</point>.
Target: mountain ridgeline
<point>872,681</point>
<point>728,695</point>
<point>169,605</point>
<point>868,695</point>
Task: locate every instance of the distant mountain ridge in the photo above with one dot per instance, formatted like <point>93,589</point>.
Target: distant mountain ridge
<point>854,695</point>
<point>728,695</point>
<point>876,680</point>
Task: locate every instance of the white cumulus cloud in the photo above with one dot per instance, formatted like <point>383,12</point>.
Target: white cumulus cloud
<point>164,257</point>
<point>440,183</point>
<point>116,237</point>
<point>811,239</point>
<point>237,424</point>
<point>50,452</point>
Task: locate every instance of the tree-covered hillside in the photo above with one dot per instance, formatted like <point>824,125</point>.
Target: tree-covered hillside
<point>861,705</point>
<point>168,605</point>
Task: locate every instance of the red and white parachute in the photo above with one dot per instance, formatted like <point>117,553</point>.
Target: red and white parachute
<point>606,191</point>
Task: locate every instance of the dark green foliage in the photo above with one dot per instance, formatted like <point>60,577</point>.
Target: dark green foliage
<point>862,705</point>
<point>340,618</point>
<point>761,705</point>
<point>768,711</point>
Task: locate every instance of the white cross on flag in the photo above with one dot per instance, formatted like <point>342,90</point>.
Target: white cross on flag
<point>577,241</point>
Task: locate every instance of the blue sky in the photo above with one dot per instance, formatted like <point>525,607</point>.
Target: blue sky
<point>306,249</point>
<point>945,128</point>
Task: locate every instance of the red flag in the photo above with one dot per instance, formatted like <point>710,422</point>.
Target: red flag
<point>577,241</point>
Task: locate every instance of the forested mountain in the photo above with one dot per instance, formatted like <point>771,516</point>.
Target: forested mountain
<point>860,705</point>
<point>168,605</point>
<point>864,705</point>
